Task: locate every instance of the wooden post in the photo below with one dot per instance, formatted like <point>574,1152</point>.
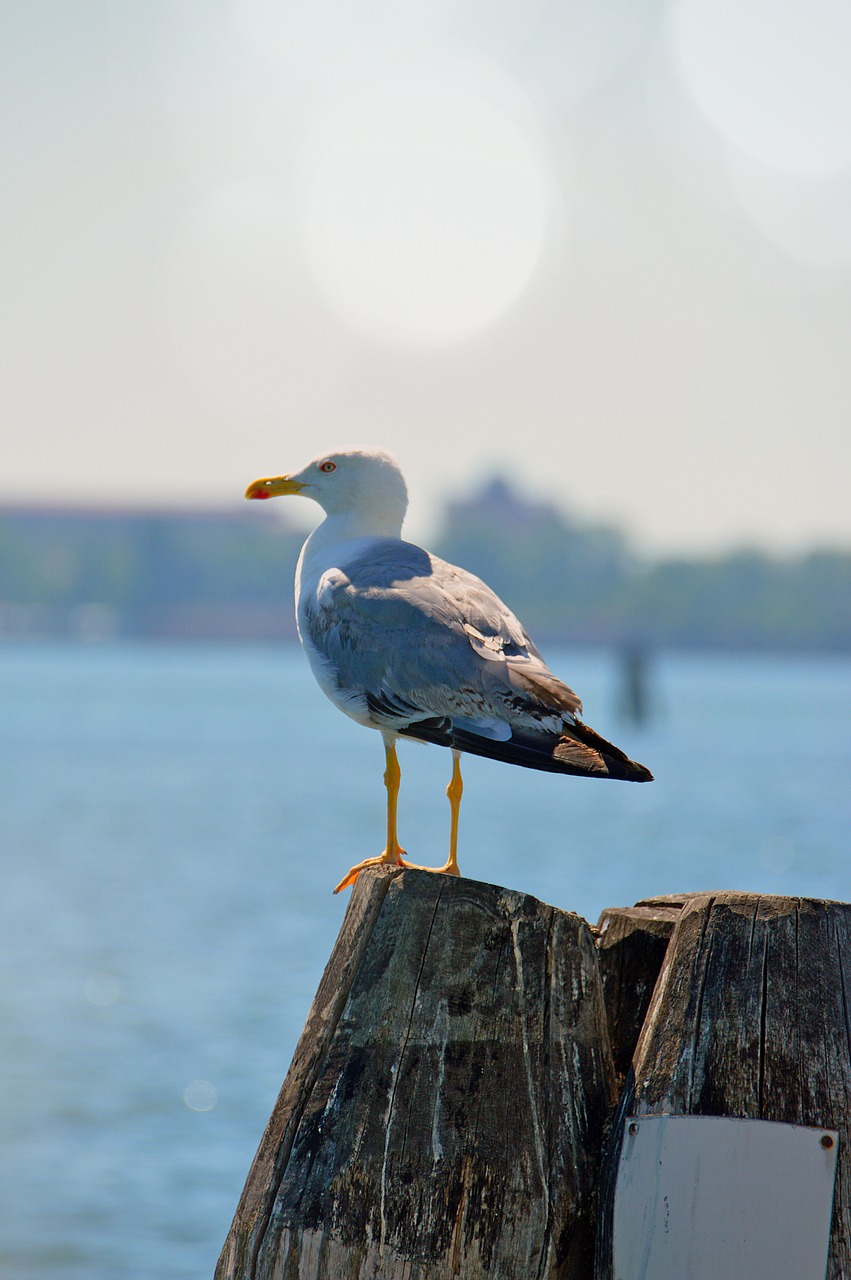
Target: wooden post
<point>631,942</point>
<point>750,1019</point>
<point>443,1114</point>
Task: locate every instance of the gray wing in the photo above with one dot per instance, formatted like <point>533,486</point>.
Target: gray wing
<point>420,638</point>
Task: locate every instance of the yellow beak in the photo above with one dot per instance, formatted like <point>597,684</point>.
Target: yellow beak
<point>273,487</point>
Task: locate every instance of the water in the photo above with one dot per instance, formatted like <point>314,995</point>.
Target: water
<point>171,823</point>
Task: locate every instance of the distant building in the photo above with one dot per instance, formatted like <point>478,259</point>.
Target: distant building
<point>562,577</point>
<point>98,573</point>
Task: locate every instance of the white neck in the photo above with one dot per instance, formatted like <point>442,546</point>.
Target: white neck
<point>377,521</point>
<point>340,528</point>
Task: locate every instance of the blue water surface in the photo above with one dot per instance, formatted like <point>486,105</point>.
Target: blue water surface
<point>172,820</point>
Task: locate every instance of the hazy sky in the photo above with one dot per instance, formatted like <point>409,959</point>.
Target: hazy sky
<point>605,248</point>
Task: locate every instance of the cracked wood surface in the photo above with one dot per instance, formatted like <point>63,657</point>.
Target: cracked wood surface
<point>631,946</point>
<point>444,1112</point>
<point>750,1018</point>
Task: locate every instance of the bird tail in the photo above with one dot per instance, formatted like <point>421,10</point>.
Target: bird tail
<point>578,749</point>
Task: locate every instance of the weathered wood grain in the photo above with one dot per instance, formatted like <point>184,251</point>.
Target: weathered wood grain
<point>450,1121</point>
<point>239,1256</point>
<point>750,1018</point>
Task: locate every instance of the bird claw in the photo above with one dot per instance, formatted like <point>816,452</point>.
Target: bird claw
<point>383,860</point>
<point>449,868</point>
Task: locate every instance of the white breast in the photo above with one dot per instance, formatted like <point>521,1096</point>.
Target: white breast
<point>315,563</point>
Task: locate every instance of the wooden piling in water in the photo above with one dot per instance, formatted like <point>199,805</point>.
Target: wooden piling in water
<point>445,1109</point>
<point>444,1112</point>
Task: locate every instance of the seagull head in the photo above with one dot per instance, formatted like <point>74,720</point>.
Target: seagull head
<point>364,484</point>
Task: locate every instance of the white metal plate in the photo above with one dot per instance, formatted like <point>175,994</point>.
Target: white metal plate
<point>712,1198</point>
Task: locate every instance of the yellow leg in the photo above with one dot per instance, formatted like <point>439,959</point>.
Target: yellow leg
<point>392,781</point>
<point>454,791</point>
<point>393,851</point>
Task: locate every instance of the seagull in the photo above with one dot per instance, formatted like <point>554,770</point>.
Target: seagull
<point>415,647</point>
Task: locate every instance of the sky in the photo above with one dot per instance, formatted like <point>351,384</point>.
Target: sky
<point>602,249</point>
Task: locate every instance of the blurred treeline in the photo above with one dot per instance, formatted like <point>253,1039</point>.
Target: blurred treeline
<point>196,575</point>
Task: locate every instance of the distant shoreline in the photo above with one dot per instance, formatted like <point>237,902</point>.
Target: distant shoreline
<point>217,576</point>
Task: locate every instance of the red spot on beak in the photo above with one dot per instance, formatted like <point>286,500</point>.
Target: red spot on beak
<point>261,493</point>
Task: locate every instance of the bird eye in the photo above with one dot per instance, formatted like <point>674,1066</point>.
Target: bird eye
<point>328,466</point>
